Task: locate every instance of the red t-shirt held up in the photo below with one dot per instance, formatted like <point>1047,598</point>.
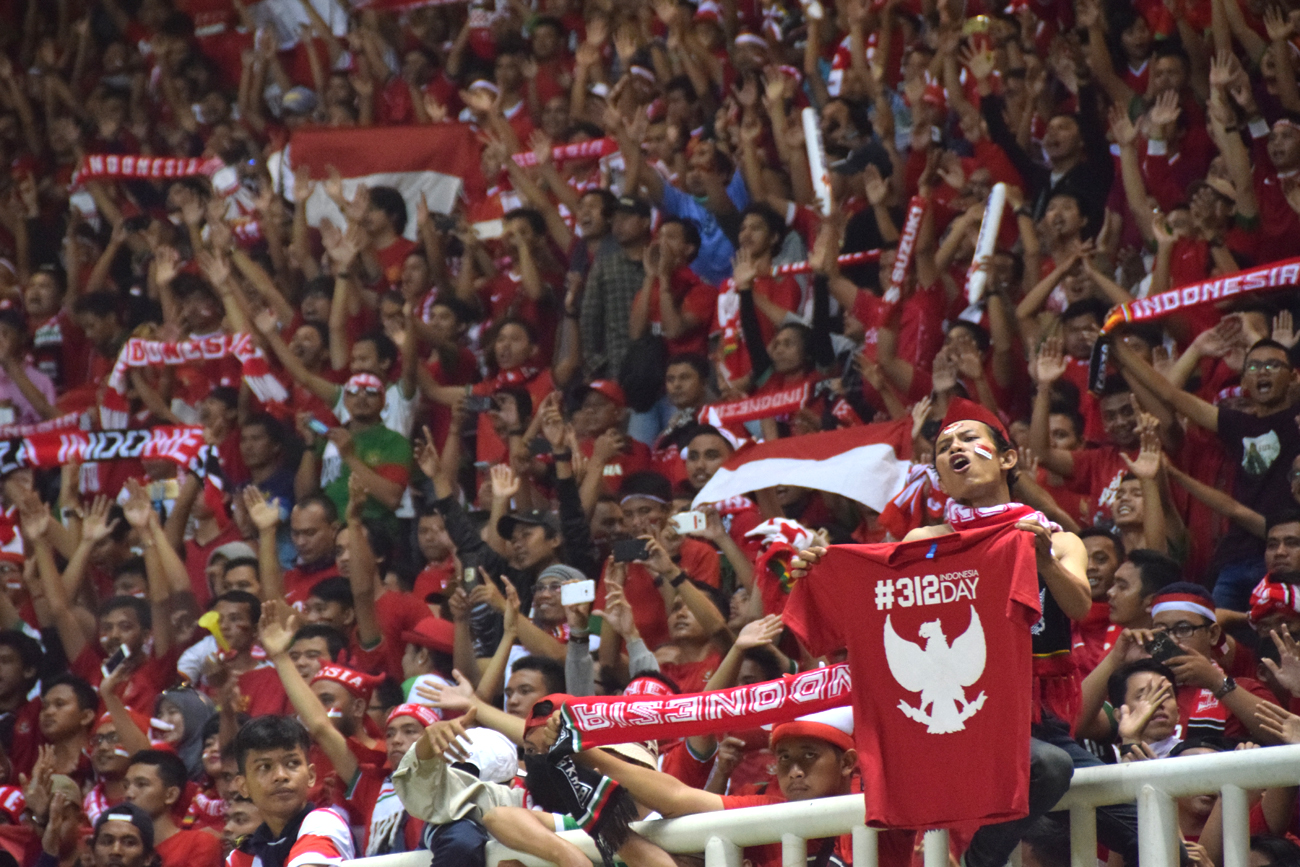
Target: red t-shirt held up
<point>950,618</point>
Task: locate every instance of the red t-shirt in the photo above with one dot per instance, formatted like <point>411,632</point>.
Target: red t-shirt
<point>190,849</point>
<point>951,617</point>
<point>391,259</point>
<point>196,561</point>
<point>698,560</point>
<point>690,295</point>
<point>490,448</point>
<point>299,581</point>
<point>142,687</point>
<point>1097,473</point>
<point>633,460</point>
<point>61,351</point>
<point>387,826</point>
<point>466,372</point>
<point>692,676</point>
<point>263,692</point>
<point>1089,637</point>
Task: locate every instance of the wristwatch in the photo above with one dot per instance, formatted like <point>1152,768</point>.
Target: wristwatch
<point>1228,686</point>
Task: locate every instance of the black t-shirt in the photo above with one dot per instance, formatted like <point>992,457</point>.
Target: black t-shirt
<point>1262,449</point>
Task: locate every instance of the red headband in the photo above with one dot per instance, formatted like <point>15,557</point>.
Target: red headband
<point>961,409</point>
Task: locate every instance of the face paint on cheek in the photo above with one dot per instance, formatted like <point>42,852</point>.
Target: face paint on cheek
<point>982,450</point>
<point>118,751</point>
<point>334,713</point>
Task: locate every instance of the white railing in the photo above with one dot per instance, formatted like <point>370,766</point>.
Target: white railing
<point>1154,785</point>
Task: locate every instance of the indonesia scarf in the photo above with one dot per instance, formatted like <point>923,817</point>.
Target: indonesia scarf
<point>1056,677</point>
<point>514,377</point>
<point>921,503</point>
<point>116,167</point>
<point>115,410</point>
<point>778,403</point>
<point>600,147</point>
<point>600,721</point>
<point>1203,293</point>
<point>182,445</point>
<point>71,421</point>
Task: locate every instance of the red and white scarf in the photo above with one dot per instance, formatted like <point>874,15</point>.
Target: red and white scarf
<point>600,721</point>
<point>758,406</point>
<point>846,259</point>
<point>71,421</point>
<point>116,167</point>
<point>600,147</point>
<point>115,411</point>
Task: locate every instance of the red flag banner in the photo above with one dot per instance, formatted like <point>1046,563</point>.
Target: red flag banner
<point>867,463</point>
<point>599,721</point>
<point>439,161</point>
<point>758,406</point>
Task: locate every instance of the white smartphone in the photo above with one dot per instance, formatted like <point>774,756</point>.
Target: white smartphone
<point>689,522</point>
<point>577,592</point>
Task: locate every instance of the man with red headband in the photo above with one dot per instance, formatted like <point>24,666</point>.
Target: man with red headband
<point>976,464</point>
<point>379,456</point>
<point>1210,702</point>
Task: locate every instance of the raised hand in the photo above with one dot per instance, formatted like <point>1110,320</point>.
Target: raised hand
<point>805,560</point>
<point>1052,363</point>
<point>446,739</point>
<point>1281,724</point>
<point>34,515</point>
<point>264,513</point>
<point>1133,718</point>
<point>276,628</point>
<point>1147,465</point>
<point>96,526</point>
<point>743,270</point>
<point>1166,110</point>
<point>760,632</point>
<point>458,698</point>
<point>1278,24</point>
<point>1287,670</point>
<point>618,612</point>
<point>138,509</point>
<point>505,484</point>
<point>1284,329</point>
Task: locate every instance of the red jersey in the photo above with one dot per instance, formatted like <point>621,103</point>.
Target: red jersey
<point>698,560</point>
<point>323,838</point>
<point>690,295</point>
<point>61,351</point>
<point>692,676</point>
<point>145,684</point>
<point>951,615</point>
<point>635,458</point>
<point>299,580</point>
<point>190,849</point>
<point>1097,473</point>
<point>391,259</point>
<point>1089,636</point>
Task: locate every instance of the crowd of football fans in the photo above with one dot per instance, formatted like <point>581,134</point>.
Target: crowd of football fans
<point>485,407</point>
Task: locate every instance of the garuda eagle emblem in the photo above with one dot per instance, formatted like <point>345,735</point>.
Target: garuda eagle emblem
<point>940,673</point>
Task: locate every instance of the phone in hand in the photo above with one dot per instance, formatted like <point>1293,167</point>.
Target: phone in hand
<point>539,446</point>
<point>577,592</point>
<point>317,427</point>
<point>479,403</point>
<point>688,522</point>
<point>121,655</point>
<point>630,550</point>
<point>469,578</point>
<point>1162,648</point>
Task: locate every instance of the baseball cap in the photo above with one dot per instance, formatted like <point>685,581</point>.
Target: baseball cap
<point>233,551</point>
<point>132,814</point>
<point>433,633</point>
<point>493,755</point>
<point>610,389</point>
<point>532,517</point>
<point>633,204</point>
<point>299,100</point>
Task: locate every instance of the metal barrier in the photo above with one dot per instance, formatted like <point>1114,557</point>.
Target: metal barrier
<point>1154,785</point>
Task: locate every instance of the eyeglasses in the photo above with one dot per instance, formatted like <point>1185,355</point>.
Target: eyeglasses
<point>546,587</point>
<point>1272,366</point>
<point>1181,630</point>
<point>105,739</point>
<point>369,390</point>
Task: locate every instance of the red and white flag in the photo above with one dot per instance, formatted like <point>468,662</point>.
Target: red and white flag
<point>440,160</point>
<point>867,463</point>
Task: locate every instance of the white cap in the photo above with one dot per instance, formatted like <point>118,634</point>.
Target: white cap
<point>494,754</point>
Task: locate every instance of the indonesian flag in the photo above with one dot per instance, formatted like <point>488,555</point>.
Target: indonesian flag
<point>440,160</point>
<point>867,463</point>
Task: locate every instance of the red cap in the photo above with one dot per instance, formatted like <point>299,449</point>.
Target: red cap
<point>542,709</point>
<point>141,720</point>
<point>433,633</point>
<point>611,390</point>
<point>961,409</point>
<point>355,682</point>
<point>426,716</point>
<point>806,729</point>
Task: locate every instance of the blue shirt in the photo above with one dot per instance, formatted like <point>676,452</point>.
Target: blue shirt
<point>713,263</point>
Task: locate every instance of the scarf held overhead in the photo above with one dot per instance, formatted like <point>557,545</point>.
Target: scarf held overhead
<point>114,413</point>
<point>600,721</point>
